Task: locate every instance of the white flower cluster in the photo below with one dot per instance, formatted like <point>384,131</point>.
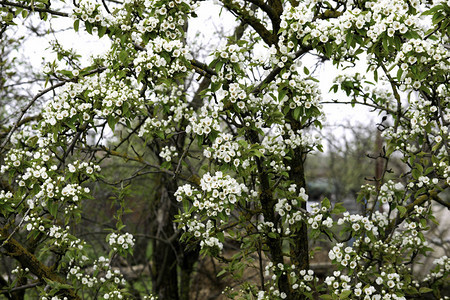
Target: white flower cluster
<point>113,295</point>
<point>301,280</point>
<point>204,232</point>
<point>203,123</point>
<point>294,19</point>
<point>165,59</point>
<point>220,193</point>
<point>306,93</point>
<point>211,242</point>
<point>358,223</point>
<point>85,279</point>
<point>31,164</point>
<point>345,256</point>
<point>442,268</point>
<point>389,190</point>
<point>159,125</point>
<point>391,280</point>
<point>216,200</point>
<point>87,167</point>
<point>231,53</point>
<point>166,19</point>
<point>58,234</point>
<point>167,152</point>
<point>90,11</point>
<point>339,283</point>
<point>6,197</point>
<point>422,51</point>
<point>109,94</point>
<point>121,241</point>
<point>35,222</point>
<point>390,17</point>
<point>290,210</point>
<point>316,217</point>
<point>224,149</point>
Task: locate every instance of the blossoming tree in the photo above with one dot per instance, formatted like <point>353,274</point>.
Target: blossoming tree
<point>229,139</point>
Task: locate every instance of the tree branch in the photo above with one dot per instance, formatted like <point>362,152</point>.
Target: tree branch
<point>28,260</point>
<point>32,8</point>
<point>277,71</point>
<point>268,37</point>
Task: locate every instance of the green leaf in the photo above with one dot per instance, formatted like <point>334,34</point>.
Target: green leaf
<point>123,56</point>
<point>385,44</point>
<point>344,294</point>
<point>101,31</point>
<point>281,94</point>
<point>423,223</point>
<point>112,122</point>
<point>88,27</point>
<point>32,141</point>
<point>402,210</point>
<point>272,235</point>
<point>326,203</point>
<point>76,25</point>
<point>221,273</point>
<point>296,113</point>
<point>52,208</point>
<point>424,290</point>
<point>338,208</point>
<point>305,70</point>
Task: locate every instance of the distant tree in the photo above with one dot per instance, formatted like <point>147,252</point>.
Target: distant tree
<point>223,145</point>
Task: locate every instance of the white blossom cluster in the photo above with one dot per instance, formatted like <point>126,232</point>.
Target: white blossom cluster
<point>168,152</point>
<point>203,123</point>
<point>421,52</point>
<point>84,279</point>
<point>442,268</point>
<point>6,197</point>
<point>166,20</point>
<point>358,223</point>
<point>168,100</point>
<point>389,190</point>
<point>203,231</point>
<point>345,256</point>
<point>294,20</point>
<point>306,92</point>
<point>31,164</point>
<point>164,58</point>
<point>231,53</point>
<point>90,11</point>
<point>317,218</point>
<point>103,95</point>
<point>301,280</point>
<point>224,149</point>
<point>379,17</point>
<point>292,215</point>
<point>113,295</point>
<point>340,282</point>
<point>86,167</point>
<point>219,193</point>
<point>101,272</point>
<point>120,241</point>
